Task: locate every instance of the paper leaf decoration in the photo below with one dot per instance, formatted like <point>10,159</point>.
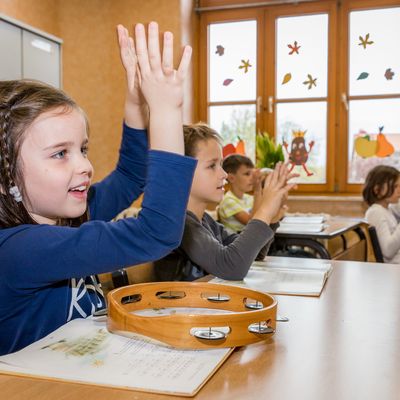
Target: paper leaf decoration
<point>389,74</point>
<point>310,82</point>
<point>287,78</point>
<point>365,42</point>
<point>363,75</point>
<point>227,82</point>
<point>294,48</point>
<point>245,65</point>
<point>220,50</point>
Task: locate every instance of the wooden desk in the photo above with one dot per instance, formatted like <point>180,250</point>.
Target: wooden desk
<point>344,345</point>
<point>318,241</point>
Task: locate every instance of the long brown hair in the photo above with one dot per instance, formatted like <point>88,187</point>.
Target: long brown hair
<point>21,102</point>
<point>379,178</point>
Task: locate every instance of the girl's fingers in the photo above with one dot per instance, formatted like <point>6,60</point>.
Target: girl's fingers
<point>154,47</point>
<point>184,64</point>
<point>127,54</point>
<point>168,53</point>
<point>141,49</point>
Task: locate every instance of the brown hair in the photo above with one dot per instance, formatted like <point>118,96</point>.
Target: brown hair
<point>233,162</point>
<point>377,178</point>
<point>195,133</point>
<point>21,102</point>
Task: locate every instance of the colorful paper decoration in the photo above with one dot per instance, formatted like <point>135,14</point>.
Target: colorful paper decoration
<point>365,42</point>
<point>298,154</point>
<point>381,147</point>
<point>245,65</point>
<point>310,82</point>
<point>363,75</point>
<point>220,50</point>
<point>240,148</point>
<point>389,74</point>
<point>287,78</point>
<point>227,82</point>
<point>294,48</point>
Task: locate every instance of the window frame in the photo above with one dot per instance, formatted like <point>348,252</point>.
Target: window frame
<point>337,117</point>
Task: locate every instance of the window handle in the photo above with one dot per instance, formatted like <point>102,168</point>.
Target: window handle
<point>270,104</point>
<point>259,104</point>
<point>345,102</point>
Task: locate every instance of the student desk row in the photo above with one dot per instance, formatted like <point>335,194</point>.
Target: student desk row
<point>343,345</point>
<point>342,238</point>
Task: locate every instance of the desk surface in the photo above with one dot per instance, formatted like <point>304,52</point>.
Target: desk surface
<point>342,345</point>
<point>334,227</point>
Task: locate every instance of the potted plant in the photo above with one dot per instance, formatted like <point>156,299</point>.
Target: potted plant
<point>267,152</point>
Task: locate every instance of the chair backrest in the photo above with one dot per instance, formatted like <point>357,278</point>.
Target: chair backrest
<point>375,244</point>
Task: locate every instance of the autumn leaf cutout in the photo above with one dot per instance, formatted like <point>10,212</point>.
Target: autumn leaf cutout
<point>294,48</point>
<point>287,78</point>
<point>220,50</point>
<point>363,75</point>
<point>389,74</point>
<point>310,82</point>
<point>365,42</point>
<point>245,65</point>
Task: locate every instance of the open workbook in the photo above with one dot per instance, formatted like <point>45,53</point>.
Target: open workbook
<point>294,278</point>
<point>84,351</point>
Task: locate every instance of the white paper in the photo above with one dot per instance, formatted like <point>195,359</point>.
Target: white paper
<point>300,228</point>
<point>303,219</point>
<point>284,279</point>
<point>83,350</point>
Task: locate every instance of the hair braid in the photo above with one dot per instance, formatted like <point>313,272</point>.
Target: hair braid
<point>5,114</point>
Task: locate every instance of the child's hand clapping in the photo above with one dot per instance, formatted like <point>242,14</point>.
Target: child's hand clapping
<point>274,195</point>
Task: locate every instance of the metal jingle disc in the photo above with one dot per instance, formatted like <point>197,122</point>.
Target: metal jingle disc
<point>260,329</point>
<point>209,334</point>
<point>218,299</point>
<point>254,306</point>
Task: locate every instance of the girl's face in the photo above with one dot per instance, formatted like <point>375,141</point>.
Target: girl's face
<point>209,177</point>
<point>395,197</point>
<point>55,167</point>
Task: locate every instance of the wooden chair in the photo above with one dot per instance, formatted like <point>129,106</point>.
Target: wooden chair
<point>375,244</point>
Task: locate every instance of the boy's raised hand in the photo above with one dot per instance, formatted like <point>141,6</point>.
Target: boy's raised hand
<point>136,109</point>
<point>162,87</point>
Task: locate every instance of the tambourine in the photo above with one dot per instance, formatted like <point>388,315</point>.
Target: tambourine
<point>237,316</point>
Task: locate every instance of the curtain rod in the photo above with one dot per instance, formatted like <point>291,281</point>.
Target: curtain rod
<point>248,5</point>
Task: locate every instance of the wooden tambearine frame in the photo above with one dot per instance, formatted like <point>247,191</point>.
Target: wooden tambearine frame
<point>252,316</point>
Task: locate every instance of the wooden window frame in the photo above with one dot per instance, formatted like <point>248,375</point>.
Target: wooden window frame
<point>338,11</point>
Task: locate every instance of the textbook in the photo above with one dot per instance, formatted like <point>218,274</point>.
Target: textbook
<point>297,278</point>
<point>83,351</point>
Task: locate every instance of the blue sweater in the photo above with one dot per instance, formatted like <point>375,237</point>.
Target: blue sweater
<point>45,271</point>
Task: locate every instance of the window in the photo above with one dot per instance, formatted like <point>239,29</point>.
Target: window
<point>307,75</point>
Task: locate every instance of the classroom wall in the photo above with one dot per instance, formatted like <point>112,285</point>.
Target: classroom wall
<point>92,73</point>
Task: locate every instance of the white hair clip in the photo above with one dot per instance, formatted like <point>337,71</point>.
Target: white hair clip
<point>14,191</point>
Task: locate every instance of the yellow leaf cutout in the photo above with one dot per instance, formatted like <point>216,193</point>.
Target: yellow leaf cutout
<point>287,78</point>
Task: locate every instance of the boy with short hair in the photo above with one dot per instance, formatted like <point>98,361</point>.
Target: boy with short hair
<point>238,207</point>
<point>207,247</point>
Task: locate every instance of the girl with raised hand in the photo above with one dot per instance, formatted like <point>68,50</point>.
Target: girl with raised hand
<point>49,252</point>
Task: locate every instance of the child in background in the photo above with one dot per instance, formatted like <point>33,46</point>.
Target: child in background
<point>207,247</point>
<point>48,257</point>
<point>238,207</point>
<point>381,190</point>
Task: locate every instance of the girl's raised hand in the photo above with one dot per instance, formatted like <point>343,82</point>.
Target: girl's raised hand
<point>136,110</point>
<point>162,87</point>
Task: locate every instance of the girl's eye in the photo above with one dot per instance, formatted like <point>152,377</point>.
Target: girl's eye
<point>84,150</point>
<point>60,154</point>
<point>212,166</point>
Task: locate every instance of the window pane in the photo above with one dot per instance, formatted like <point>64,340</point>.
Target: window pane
<point>293,119</point>
<point>366,147</point>
<point>305,60</point>
<point>232,52</point>
<point>232,122</point>
<point>374,52</point>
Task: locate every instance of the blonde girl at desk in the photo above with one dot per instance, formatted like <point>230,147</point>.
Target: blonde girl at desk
<point>381,192</point>
<point>49,251</point>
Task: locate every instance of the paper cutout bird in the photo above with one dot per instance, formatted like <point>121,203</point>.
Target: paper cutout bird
<point>294,49</point>
<point>310,82</point>
<point>365,42</point>
<point>245,65</point>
